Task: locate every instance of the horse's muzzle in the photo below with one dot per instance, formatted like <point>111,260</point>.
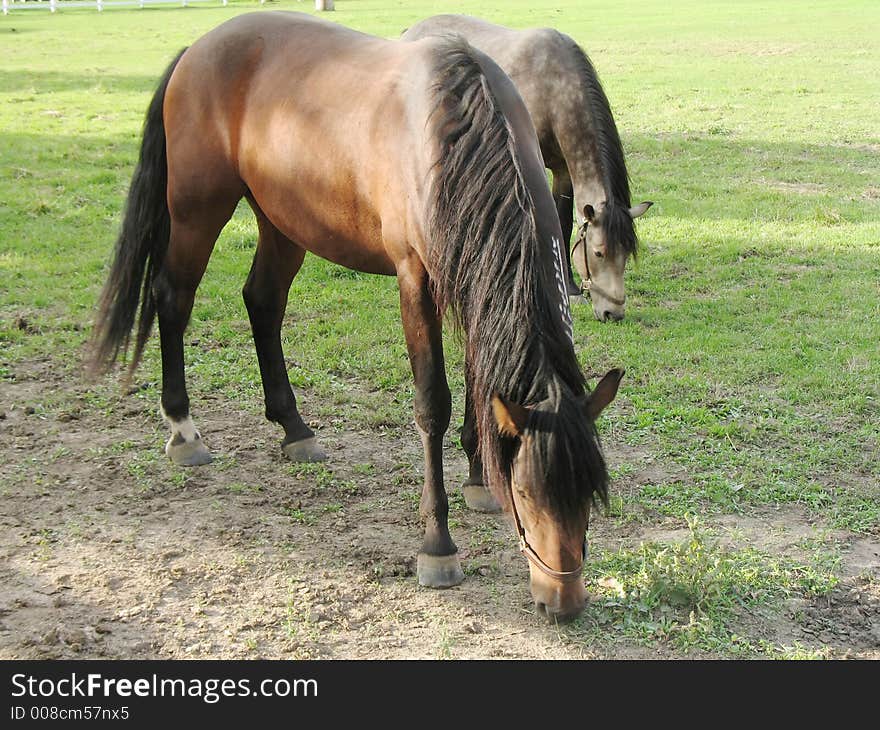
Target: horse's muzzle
<point>557,601</point>
<point>611,315</point>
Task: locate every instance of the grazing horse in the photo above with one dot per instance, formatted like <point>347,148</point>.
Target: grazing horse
<point>579,141</point>
<point>415,160</point>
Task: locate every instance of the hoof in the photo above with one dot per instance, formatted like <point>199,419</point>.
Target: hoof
<point>479,499</point>
<point>306,450</point>
<point>439,571</point>
<point>188,453</point>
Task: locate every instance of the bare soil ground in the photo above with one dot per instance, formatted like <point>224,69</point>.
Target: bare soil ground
<point>108,551</point>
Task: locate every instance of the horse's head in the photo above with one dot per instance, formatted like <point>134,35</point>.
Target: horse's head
<point>604,243</point>
<point>556,469</point>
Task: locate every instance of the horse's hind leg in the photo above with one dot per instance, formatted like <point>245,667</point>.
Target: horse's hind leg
<point>476,495</point>
<point>189,248</point>
<point>438,562</point>
<point>275,264</point>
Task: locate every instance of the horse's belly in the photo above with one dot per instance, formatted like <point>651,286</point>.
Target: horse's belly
<point>352,253</point>
<point>329,231</point>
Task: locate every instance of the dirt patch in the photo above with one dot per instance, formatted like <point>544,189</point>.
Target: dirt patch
<point>108,551</point>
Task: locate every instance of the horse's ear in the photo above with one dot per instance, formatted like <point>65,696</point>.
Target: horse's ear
<point>640,209</point>
<point>603,393</point>
<point>589,213</point>
<point>510,417</point>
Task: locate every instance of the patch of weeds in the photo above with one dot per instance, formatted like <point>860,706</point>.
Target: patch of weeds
<point>347,487</point>
<point>44,540</point>
<point>673,498</point>
<point>74,529</point>
<point>456,500</point>
<point>59,453</point>
<point>796,652</point>
<point>818,576</point>
<point>307,469</point>
<point>688,593</point>
<point>484,535</point>
<point>120,447</point>
<point>411,498</point>
<point>622,470</point>
<point>852,511</point>
<point>142,467</point>
<point>318,474</point>
<point>371,505</point>
<point>445,643</point>
<point>296,620</point>
<point>324,478</point>
<point>242,561</point>
<point>366,469</point>
<point>223,462</point>
<point>137,469</point>
<point>624,510</point>
<point>300,516</point>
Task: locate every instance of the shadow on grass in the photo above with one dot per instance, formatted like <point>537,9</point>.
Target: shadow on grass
<point>697,178</point>
<point>43,82</point>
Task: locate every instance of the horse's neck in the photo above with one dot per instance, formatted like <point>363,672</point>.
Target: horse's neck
<point>587,175</point>
<point>581,152</point>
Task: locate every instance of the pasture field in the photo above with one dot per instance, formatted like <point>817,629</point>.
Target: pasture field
<point>745,515</point>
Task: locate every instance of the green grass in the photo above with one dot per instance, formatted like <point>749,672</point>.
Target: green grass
<point>750,342</point>
<point>690,593</point>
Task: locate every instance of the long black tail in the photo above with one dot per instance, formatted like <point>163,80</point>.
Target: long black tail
<point>140,248</point>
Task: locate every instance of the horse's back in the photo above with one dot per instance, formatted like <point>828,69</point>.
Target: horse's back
<point>541,62</point>
<point>323,127</point>
<point>518,51</point>
<point>257,66</point>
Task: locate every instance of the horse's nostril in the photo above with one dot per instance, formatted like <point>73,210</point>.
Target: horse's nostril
<point>612,316</point>
<point>557,615</point>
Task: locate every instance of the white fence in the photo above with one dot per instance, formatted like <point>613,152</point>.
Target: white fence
<point>53,5</point>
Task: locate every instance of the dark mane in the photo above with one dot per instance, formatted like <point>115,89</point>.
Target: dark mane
<point>494,272</point>
<point>616,222</point>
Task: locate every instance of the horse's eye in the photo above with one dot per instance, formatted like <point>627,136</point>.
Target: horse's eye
<point>599,254</point>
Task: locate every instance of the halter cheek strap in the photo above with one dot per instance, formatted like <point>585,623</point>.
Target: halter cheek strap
<point>565,576</point>
<point>590,285</point>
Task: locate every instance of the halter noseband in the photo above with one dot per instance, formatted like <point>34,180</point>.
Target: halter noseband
<point>566,576</point>
<point>590,285</point>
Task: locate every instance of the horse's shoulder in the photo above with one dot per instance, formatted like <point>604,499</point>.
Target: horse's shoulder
<point>552,40</point>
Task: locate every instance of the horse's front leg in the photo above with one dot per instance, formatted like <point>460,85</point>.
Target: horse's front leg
<point>563,196</point>
<point>438,562</point>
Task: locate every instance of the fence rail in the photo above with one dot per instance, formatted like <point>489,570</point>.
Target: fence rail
<point>53,5</point>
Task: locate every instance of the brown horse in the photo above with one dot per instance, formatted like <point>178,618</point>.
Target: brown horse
<point>429,154</point>
<point>579,141</point>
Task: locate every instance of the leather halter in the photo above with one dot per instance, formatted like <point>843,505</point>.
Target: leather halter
<point>590,285</point>
<point>566,576</point>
